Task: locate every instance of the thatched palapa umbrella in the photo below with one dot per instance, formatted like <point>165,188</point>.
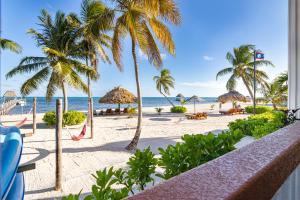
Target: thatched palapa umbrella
<point>119,96</point>
<point>10,93</point>
<point>195,99</point>
<point>179,97</point>
<point>231,96</point>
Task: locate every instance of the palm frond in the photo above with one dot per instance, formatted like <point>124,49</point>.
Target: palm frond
<point>223,72</point>
<point>33,83</point>
<point>10,45</point>
<point>163,35</point>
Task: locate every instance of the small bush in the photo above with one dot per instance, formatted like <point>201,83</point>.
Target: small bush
<point>50,118</point>
<point>259,125</point>
<point>141,167</point>
<point>194,151</point>
<point>178,109</point>
<point>259,109</point>
<point>69,118</point>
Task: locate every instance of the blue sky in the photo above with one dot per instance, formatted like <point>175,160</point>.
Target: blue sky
<point>209,29</point>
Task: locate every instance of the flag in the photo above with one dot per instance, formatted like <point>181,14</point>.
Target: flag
<point>259,56</point>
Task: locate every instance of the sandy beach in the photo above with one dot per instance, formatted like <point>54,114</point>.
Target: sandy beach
<point>111,135</point>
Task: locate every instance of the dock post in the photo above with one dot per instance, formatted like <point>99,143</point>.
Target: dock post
<point>34,116</point>
<point>91,117</point>
<point>58,156</point>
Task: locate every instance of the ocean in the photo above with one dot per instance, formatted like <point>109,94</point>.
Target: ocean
<point>80,103</point>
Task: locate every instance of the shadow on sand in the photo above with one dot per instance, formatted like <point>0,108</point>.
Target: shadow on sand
<point>154,143</point>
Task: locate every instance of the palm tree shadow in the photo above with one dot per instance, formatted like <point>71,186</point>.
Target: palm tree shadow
<point>38,126</point>
<point>153,143</point>
<point>160,119</point>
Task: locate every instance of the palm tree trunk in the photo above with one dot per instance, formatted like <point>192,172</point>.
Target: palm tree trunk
<point>64,89</point>
<point>90,112</point>
<point>168,99</point>
<point>136,137</point>
<point>248,88</point>
<point>274,106</point>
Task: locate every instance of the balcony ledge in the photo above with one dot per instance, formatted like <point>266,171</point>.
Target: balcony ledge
<point>255,171</point>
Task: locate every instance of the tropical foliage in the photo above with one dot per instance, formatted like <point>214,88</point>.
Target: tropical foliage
<point>242,67</point>
<point>95,20</point>
<point>142,21</point>
<point>178,109</point>
<point>71,117</point>
<point>58,66</point>
<point>275,92</point>
<point>258,109</point>
<point>164,82</point>
<point>7,44</point>
<point>259,125</point>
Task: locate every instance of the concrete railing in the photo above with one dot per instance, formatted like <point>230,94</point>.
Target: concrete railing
<point>264,169</point>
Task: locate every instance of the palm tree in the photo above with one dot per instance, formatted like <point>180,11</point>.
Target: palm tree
<point>273,93</point>
<point>140,19</point>
<point>57,66</point>
<point>96,19</point>
<point>10,45</point>
<point>243,68</point>
<point>164,82</point>
<point>282,81</point>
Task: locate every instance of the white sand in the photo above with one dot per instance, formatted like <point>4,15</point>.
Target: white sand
<point>111,135</point>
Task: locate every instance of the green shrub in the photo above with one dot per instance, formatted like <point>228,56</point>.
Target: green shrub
<point>69,118</point>
<point>50,118</point>
<point>141,167</point>
<point>259,109</point>
<point>73,118</point>
<point>259,125</point>
<point>278,117</point>
<point>264,130</point>
<point>194,151</point>
<point>246,126</point>
<point>178,109</point>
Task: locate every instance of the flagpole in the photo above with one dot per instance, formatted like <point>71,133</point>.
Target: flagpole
<point>254,84</point>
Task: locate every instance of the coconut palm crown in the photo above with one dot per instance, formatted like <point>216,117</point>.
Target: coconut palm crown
<point>242,67</point>
<point>142,21</point>
<point>164,82</point>
<point>57,66</point>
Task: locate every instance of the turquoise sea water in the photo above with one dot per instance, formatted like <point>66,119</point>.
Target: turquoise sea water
<point>80,103</point>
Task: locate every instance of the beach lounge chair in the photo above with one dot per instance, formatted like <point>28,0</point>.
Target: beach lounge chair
<point>232,111</point>
<point>197,116</point>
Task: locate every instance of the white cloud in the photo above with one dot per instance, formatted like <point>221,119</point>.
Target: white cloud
<point>207,84</point>
<point>144,56</point>
<point>208,58</point>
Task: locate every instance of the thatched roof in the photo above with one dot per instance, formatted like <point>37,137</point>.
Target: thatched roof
<point>195,98</point>
<point>10,93</point>
<point>231,96</point>
<point>180,95</point>
<point>118,95</point>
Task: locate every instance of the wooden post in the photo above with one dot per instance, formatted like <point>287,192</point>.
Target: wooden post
<point>58,132</point>
<point>34,116</point>
<point>91,117</point>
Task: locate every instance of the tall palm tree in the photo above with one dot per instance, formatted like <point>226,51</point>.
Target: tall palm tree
<point>57,66</point>
<point>140,19</point>
<point>282,81</point>
<point>243,68</point>
<point>10,45</point>
<point>164,82</point>
<point>95,20</point>
<point>274,93</point>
